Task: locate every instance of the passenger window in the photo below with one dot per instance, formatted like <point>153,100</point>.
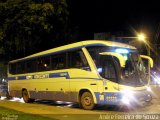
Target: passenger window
<point>78,60</point>
<point>20,67</point>
<point>109,72</point>
<point>58,61</point>
<point>108,69</point>
<point>44,64</point>
<point>31,65</point>
<point>12,68</point>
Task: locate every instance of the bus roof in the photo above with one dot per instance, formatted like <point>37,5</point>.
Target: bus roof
<point>77,45</point>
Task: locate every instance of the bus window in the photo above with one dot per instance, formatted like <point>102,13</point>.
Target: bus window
<point>108,68</point>
<point>78,60</point>
<point>20,68</point>
<point>31,65</point>
<point>44,64</point>
<point>58,61</point>
<point>12,68</point>
<point>128,69</point>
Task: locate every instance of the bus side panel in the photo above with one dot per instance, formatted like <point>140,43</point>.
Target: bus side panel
<point>15,89</point>
<point>82,80</point>
<point>55,87</point>
<point>50,89</point>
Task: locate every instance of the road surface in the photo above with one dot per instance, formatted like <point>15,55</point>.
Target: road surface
<point>63,110</point>
<point>69,111</point>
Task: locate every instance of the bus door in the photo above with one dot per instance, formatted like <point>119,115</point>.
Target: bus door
<point>110,72</point>
<point>148,64</point>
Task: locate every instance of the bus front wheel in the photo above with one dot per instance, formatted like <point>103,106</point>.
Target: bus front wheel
<point>26,97</point>
<point>87,101</point>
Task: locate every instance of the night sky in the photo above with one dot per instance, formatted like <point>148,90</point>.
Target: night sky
<point>115,16</point>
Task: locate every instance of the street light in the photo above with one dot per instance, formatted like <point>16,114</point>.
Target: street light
<point>141,37</point>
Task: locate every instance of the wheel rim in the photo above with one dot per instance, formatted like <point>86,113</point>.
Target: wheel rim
<point>87,101</point>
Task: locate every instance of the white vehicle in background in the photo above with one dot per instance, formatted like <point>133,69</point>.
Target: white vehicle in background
<point>155,78</point>
<point>3,90</point>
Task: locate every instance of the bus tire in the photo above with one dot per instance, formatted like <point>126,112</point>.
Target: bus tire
<point>26,98</point>
<point>149,99</point>
<point>86,101</point>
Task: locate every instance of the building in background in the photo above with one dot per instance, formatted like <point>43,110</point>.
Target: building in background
<point>119,37</point>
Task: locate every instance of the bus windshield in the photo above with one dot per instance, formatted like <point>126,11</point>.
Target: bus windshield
<point>132,74</point>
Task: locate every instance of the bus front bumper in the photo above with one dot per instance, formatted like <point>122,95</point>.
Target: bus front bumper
<point>118,98</point>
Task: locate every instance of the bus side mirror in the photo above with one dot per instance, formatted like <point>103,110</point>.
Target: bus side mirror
<point>150,60</point>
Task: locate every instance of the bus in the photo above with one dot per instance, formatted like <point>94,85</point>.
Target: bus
<point>89,72</point>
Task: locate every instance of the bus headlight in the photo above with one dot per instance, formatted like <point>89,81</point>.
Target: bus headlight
<point>127,92</point>
<point>125,100</point>
<point>149,89</point>
<point>127,96</point>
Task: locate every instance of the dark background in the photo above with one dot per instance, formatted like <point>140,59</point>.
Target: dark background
<point>116,16</point>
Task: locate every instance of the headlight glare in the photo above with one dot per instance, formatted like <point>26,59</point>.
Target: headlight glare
<point>127,92</point>
<point>127,96</point>
<point>125,100</point>
<point>149,89</point>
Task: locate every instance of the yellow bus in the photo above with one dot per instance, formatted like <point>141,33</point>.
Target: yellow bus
<point>89,72</point>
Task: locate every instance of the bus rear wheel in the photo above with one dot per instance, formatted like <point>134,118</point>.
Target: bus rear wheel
<point>87,101</point>
<point>26,98</point>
